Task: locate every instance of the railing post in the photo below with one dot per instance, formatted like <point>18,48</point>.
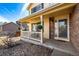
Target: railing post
<point>30,30</point>
<point>41,18</point>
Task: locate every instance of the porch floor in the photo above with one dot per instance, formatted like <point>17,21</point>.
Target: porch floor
<point>62,46</point>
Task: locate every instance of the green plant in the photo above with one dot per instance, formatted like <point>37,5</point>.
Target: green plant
<point>40,27</point>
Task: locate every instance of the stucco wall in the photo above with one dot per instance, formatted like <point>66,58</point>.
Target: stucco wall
<point>74,27</point>
<point>46,27</point>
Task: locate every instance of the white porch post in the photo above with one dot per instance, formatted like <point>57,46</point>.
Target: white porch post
<point>41,18</point>
<point>30,27</point>
<point>21,29</point>
<point>21,26</point>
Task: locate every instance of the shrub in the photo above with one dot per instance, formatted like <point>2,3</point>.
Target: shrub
<point>40,27</point>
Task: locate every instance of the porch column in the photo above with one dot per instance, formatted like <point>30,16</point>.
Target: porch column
<point>30,27</point>
<point>20,30</point>
<point>21,26</point>
<point>41,18</point>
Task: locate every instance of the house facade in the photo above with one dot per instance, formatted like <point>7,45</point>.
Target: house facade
<point>56,21</point>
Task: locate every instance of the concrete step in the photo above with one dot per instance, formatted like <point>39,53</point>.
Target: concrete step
<point>59,53</point>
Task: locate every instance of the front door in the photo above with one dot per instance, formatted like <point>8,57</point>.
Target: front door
<point>51,25</point>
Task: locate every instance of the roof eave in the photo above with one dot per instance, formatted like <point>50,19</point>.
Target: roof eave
<point>40,12</point>
<point>29,6</point>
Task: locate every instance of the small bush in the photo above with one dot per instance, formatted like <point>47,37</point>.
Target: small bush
<point>40,27</point>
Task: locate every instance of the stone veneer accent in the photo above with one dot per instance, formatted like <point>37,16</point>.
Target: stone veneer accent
<point>74,27</point>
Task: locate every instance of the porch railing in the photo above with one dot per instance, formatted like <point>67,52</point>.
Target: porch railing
<point>31,35</point>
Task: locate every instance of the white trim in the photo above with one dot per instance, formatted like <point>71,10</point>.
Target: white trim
<point>60,38</point>
<point>30,38</point>
<point>68,28</point>
<point>41,18</point>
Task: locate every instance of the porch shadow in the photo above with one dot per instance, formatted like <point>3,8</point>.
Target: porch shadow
<point>62,46</point>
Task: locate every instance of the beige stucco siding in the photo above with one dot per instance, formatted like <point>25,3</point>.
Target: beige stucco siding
<point>63,16</point>
<point>46,27</point>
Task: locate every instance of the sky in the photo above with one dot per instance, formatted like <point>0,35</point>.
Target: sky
<point>11,12</point>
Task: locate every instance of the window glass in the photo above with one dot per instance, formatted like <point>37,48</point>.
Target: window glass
<point>62,28</point>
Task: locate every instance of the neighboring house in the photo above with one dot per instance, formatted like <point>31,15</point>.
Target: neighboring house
<point>60,21</point>
<point>1,23</point>
<point>9,28</point>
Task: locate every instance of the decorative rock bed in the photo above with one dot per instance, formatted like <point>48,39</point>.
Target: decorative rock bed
<point>26,49</point>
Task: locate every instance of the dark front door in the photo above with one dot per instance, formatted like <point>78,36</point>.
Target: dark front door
<point>51,25</point>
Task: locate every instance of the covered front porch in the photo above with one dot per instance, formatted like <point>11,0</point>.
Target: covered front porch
<point>55,32</point>
<point>31,31</point>
<point>54,23</point>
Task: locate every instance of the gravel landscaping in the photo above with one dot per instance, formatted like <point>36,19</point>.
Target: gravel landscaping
<point>26,49</point>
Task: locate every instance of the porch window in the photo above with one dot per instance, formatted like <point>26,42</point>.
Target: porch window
<point>61,29</point>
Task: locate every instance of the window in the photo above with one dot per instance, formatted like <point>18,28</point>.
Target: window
<point>61,29</point>
<point>37,8</point>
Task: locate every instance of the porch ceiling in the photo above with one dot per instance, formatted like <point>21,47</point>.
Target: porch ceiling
<point>53,11</point>
<point>34,20</point>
